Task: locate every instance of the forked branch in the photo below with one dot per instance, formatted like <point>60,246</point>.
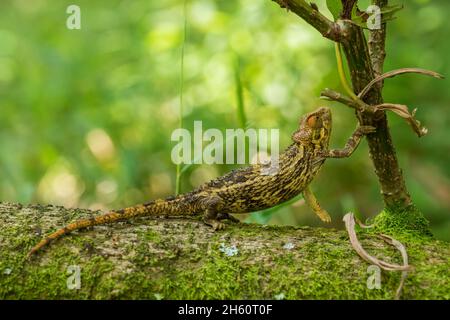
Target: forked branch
<point>312,16</point>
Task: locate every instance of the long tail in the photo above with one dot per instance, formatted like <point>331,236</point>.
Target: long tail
<point>174,206</point>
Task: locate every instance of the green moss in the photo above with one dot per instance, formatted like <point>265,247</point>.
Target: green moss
<point>409,221</point>
<point>322,273</point>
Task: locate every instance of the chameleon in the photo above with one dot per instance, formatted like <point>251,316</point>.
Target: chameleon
<point>245,189</point>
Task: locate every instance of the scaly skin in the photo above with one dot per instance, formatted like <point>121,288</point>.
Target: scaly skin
<point>247,189</point>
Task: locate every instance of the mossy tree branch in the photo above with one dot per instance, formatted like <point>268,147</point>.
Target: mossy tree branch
<point>184,259</point>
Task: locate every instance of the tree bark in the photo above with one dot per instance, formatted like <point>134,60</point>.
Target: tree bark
<point>184,259</point>
<point>377,44</point>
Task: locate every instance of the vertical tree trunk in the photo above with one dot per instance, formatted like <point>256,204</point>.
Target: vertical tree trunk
<point>382,151</point>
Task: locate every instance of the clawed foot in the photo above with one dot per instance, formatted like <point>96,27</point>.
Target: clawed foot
<point>312,202</point>
<point>324,216</point>
<point>226,216</point>
<point>215,224</point>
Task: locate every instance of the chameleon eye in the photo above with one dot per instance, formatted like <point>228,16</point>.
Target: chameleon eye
<point>312,121</point>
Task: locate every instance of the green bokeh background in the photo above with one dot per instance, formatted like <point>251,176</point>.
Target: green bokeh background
<point>87,115</point>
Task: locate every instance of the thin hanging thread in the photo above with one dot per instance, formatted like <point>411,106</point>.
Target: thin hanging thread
<point>180,123</point>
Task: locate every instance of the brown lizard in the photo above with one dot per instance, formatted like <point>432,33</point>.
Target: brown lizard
<point>246,189</point>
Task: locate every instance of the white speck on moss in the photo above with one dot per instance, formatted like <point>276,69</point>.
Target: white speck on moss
<point>229,251</point>
<point>7,271</point>
<point>288,246</point>
<point>280,296</point>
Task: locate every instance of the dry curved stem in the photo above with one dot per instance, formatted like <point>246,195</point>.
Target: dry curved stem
<point>350,226</point>
<point>400,247</point>
<point>403,112</point>
<point>362,225</point>
<point>349,220</point>
<point>397,72</point>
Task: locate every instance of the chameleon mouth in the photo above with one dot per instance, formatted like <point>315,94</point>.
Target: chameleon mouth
<point>325,113</point>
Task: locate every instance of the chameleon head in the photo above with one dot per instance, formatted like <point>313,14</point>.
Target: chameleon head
<point>314,128</point>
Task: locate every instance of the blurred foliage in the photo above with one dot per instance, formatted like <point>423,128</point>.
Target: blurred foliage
<point>87,115</point>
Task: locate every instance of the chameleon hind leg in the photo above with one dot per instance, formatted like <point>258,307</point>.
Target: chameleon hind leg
<point>312,202</point>
<point>212,216</point>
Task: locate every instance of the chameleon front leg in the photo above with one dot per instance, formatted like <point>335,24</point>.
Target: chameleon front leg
<point>312,202</point>
<point>351,144</point>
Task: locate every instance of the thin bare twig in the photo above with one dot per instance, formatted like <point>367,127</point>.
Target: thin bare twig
<point>339,97</point>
